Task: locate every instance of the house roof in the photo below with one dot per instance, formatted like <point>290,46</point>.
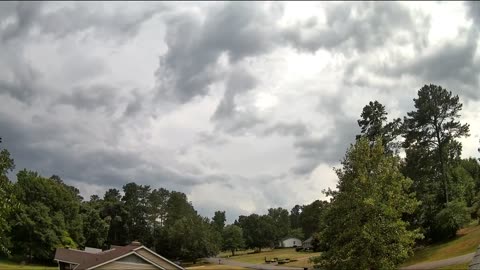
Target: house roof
<point>285,238</point>
<point>86,260</point>
<point>308,239</point>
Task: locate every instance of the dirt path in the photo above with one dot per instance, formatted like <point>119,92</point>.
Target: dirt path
<point>442,263</point>
<point>251,265</point>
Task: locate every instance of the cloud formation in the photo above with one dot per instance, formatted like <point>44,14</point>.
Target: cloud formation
<point>233,99</point>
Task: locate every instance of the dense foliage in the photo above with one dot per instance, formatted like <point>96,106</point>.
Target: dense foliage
<point>363,226</point>
<point>49,214</point>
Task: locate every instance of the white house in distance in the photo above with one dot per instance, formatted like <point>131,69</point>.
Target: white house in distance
<point>290,242</point>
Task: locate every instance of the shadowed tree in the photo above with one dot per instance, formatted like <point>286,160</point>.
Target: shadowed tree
<point>281,222</point>
<point>258,231</point>
<point>157,212</point>
<point>373,124</point>
<point>232,238</point>
<point>114,213</point>
<point>311,217</point>
<point>95,229</point>
<point>295,217</point>
<point>6,198</point>
<point>432,153</point>
<point>192,237</point>
<point>434,127</point>
<point>136,204</point>
<point>218,220</point>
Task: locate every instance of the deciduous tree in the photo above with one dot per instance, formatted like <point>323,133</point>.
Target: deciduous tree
<point>363,226</point>
<point>6,199</point>
<point>232,238</point>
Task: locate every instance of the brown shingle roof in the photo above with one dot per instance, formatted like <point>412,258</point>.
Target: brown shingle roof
<point>86,260</point>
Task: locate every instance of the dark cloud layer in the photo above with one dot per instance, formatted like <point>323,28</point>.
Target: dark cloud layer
<point>473,8</point>
<point>91,98</point>
<point>313,150</point>
<point>40,148</point>
<point>87,123</point>
<point>359,26</point>
<point>79,17</point>
<point>235,30</point>
<point>297,129</point>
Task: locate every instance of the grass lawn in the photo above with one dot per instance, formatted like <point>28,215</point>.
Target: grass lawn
<point>8,265</point>
<point>467,241</point>
<point>216,267</point>
<point>283,253</point>
<point>463,266</point>
<point>225,254</point>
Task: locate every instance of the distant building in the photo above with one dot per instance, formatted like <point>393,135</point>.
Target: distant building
<point>307,244</point>
<point>290,242</point>
<point>131,257</point>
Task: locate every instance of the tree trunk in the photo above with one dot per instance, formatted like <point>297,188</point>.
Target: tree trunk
<point>233,252</point>
<point>442,164</point>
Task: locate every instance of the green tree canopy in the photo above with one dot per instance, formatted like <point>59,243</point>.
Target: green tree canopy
<point>232,238</point>
<point>258,231</point>
<point>49,216</point>
<point>218,220</point>
<point>135,200</point>
<point>373,124</point>
<point>432,154</point>
<point>311,217</point>
<point>363,226</point>
<point>433,129</point>
<point>6,198</point>
<point>281,222</point>
<point>192,237</point>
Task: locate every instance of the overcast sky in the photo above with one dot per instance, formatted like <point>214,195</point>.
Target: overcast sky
<point>243,106</point>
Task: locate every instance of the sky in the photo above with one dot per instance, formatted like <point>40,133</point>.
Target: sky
<point>243,106</point>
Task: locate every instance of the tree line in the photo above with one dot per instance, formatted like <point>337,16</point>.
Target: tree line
<point>401,183</point>
<point>39,214</point>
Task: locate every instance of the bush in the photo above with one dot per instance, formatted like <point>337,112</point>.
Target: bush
<point>450,219</point>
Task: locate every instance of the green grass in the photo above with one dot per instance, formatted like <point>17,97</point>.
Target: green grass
<point>226,254</point>
<point>9,265</point>
<point>463,266</point>
<point>215,267</point>
<point>301,258</point>
<point>467,241</point>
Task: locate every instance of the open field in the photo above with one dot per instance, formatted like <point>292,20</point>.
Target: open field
<point>284,253</point>
<point>8,265</point>
<point>226,254</point>
<point>215,267</point>
<point>463,266</point>
<point>467,241</point>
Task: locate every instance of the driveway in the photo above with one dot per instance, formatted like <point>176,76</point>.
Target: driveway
<point>442,263</point>
<point>216,260</point>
